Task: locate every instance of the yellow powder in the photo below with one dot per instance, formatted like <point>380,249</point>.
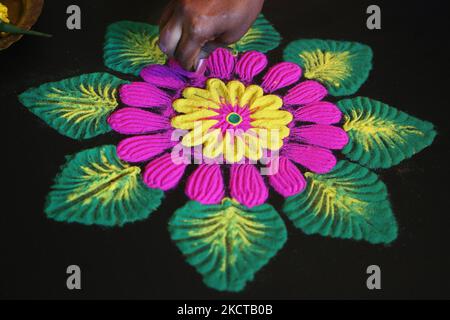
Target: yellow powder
<point>3,13</point>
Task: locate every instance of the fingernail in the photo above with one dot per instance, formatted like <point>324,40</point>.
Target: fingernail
<point>162,48</point>
<point>201,66</point>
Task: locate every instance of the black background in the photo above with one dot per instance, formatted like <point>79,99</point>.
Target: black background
<point>411,60</point>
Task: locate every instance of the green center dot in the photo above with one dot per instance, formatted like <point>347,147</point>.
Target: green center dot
<point>234,118</point>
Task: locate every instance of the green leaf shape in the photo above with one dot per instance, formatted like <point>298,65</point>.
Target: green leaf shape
<point>77,107</point>
<point>130,46</point>
<point>227,243</point>
<point>350,202</point>
<point>341,66</point>
<point>95,187</point>
<point>262,36</point>
<point>381,136</point>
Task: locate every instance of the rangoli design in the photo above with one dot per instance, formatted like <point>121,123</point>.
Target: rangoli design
<point>228,136</point>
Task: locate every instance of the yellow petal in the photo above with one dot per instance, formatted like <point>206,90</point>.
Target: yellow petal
<point>271,118</point>
<point>234,148</point>
<point>265,124</point>
<point>250,94</point>
<point>192,105</point>
<point>253,146</point>
<point>193,138</point>
<point>269,102</point>
<point>281,132</point>
<point>284,132</point>
<point>196,93</point>
<point>187,121</point>
<point>235,91</point>
<point>213,146</point>
<point>198,135</point>
<point>274,125</point>
<point>218,90</point>
<point>271,139</point>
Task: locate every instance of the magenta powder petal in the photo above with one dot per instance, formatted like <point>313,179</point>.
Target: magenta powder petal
<point>137,121</point>
<point>220,64</point>
<point>321,112</point>
<point>304,93</point>
<point>286,178</point>
<point>142,148</point>
<point>250,65</point>
<point>195,79</point>
<point>163,76</point>
<point>142,94</point>
<point>321,135</point>
<point>247,186</point>
<point>316,159</point>
<point>281,75</point>
<point>206,184</point>
<point>163,173</point>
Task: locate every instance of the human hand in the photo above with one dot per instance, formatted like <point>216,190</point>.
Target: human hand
<point>186,26</point>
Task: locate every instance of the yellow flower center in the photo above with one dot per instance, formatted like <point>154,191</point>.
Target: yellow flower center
<point>231,120</point>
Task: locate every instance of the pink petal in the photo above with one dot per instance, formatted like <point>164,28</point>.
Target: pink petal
<point>142,94</point>
<point>281,75</point>
<point>137,121</point>
<point>162,76</point>
<point>142,148</point>
<point>321,135</point>
<point>220,64</point>
<point>316,159</point>
<point>206,185</point>
<point>250,64</point>
<point>162,173</point>
<point>286,178</point>
<point>247,186</point>
<point>321,112</point>
<point>305,92</point>
<point>195,79</point>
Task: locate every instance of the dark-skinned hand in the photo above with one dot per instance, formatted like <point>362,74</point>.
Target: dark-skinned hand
<point>189,29</point>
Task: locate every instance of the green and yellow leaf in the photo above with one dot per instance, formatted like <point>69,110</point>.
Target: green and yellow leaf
<point>381,136</point>
<point>350,202</point>
<point>227,243</point>
<point>77,107</point>
<point>262,36</point>
<point>95,187</point>
<point>340,65</point>
<point>130,46</point>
